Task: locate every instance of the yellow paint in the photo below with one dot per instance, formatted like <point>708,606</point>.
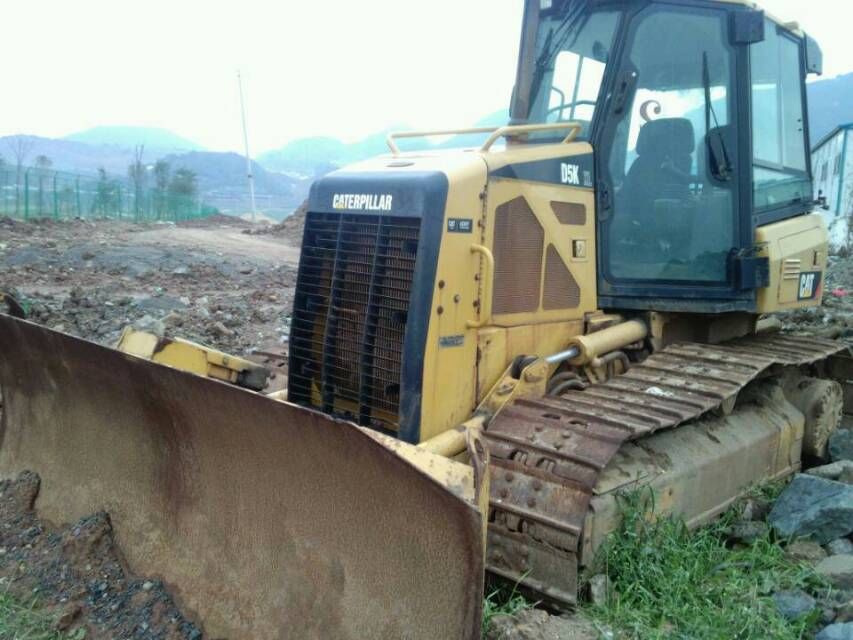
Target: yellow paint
<point>185,355</point>
<point>539,197</point>
<point>794,246</point>
<point>468,347</point>
<point>499,346</point>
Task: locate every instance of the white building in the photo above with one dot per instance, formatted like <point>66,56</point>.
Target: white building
<point>832,164</point>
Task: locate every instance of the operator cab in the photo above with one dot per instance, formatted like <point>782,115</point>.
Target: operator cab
<point>697,113</point>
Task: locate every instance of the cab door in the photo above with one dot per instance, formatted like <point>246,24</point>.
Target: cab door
<point>672,226</point>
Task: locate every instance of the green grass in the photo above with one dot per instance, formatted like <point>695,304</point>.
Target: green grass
<point>503,601</point>
<point>21,621</point>
<point>666,582</point>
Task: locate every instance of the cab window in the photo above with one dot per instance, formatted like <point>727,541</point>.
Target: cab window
<point>572,52</point>
<point>670,164</point>
<point>779,144</point>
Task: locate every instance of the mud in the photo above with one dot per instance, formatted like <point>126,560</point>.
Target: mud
<point>77,574</point>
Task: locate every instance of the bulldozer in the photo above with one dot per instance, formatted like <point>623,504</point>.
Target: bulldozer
<point>488,345</point>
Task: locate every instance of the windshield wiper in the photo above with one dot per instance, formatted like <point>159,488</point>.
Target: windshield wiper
<point>557,39</point>
<point>722,167</point>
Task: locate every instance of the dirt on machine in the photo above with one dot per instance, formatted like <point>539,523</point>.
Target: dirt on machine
<point>487,348</point>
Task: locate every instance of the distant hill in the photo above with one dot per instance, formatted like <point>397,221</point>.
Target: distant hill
<point>153,138</point>
<point>314,157</point>
<point>69,155</point>
<point>830,104</point>
<point>497,119</point>
<point>221,176</point>
<point>222,183</point>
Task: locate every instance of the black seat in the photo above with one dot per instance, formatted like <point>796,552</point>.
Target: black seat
<point>662,169</point>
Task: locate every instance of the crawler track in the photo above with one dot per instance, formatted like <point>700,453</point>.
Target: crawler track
<point>547,454</point>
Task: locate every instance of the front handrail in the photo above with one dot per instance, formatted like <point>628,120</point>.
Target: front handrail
<point>392,137</point>
<point>518,129</point>
<point>496,133</point>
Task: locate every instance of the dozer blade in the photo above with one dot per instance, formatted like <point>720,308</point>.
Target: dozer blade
<point>267,520</point>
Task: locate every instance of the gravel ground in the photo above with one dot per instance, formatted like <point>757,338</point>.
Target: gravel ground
<point>211,284</point>
<point>78,576</point>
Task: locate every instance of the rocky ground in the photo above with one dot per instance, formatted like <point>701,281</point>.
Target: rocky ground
<point>204,280</point>
<point>77,574</point>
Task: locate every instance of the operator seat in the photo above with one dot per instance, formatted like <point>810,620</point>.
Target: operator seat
<point>656,193</point>
<point>663,166</point>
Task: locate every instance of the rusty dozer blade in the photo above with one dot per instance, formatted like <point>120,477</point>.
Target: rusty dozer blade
<point>266,520</point>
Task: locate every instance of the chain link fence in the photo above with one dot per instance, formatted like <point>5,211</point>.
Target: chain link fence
<point>33,193</point>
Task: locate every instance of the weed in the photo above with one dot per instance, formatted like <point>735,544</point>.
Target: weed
<point>668,582</point>
<point>25,621</point>
<point>503,601</point>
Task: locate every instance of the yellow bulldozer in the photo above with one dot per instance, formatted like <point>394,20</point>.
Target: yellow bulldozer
<point>488,345</point>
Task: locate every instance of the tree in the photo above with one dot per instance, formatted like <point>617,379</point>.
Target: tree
<point>43,165</point>
<point>20,146</point>
<point>184,183</point>
<point>107,194</point>
<point>137,172</point>
<point>183,189</point>
<point>162,174</point>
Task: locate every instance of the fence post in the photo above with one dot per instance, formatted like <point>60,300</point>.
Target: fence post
<point>27,194</point>
<point>77,189</point>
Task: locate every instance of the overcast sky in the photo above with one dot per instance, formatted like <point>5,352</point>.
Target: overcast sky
<point>325,67</point>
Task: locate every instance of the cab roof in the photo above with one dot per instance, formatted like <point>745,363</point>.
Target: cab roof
<point>793,27</point>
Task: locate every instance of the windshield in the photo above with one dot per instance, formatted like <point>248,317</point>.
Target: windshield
<point>564,67</point>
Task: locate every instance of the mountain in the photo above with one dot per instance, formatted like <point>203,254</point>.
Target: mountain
<point>221,176</point>
<point>153,138</point>
<point>496,119</point>
<point>222,183</point>
<point>314,157</point>
<point>69,155</point>
<point>830,104</point>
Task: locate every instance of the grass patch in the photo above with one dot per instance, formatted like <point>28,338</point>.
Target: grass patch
<point>667,582</point>
<point>21,621</point>
<point>503,601</point>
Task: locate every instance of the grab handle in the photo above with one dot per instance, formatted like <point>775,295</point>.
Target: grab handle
<point>487,276</point>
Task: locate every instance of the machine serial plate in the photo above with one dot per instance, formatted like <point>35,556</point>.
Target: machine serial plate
<point>460,225</point>
<point>451,341</point>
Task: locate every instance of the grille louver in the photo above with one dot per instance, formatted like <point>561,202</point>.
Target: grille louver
<point>350,314</point>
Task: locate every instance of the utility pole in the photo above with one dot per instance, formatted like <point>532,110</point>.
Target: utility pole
<point>249,175</point>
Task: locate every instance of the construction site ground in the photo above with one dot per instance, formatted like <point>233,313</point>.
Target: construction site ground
<point>207,281</point>
<point>228,284</point>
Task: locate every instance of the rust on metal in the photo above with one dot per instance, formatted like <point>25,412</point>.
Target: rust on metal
<point>267,520</point>
<point>547,454</point>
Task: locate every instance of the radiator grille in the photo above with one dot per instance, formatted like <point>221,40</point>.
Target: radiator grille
<point>350,314</point>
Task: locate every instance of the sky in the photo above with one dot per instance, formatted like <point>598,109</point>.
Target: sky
<point>342,68</point>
